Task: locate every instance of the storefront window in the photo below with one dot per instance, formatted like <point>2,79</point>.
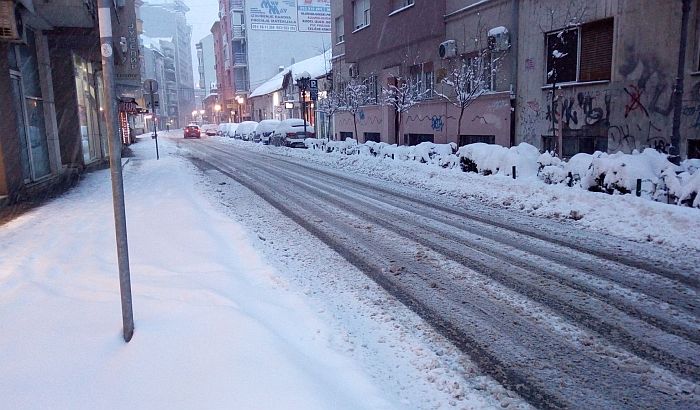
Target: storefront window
<point>26,88</point>
<point>88,109</point>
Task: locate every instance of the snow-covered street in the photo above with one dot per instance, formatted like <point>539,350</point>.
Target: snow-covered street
<point>227,316</point>
<point>562,314</point>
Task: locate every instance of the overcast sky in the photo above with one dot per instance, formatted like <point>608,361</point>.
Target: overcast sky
<point>202,15</point>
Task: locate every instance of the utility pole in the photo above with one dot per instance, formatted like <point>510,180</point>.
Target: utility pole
<point>674,150</point>
<point>115,164</point>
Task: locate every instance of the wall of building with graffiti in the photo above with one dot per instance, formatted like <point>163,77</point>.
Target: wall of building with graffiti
<point>630,110</point>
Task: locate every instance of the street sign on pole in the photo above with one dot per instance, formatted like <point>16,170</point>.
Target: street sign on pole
<point>313,89</point>
<point>115,164</point>
<point>150,86</point>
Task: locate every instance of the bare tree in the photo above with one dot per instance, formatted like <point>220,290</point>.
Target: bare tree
<point>330,105</point>
<point>401,96</point>
<point>354,97</point>
<point>468,79</point>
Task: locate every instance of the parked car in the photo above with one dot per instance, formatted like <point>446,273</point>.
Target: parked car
<point>290,133</point>
<point>245,130</point>
<point>231,129</point>
<point>221,129</point>
<point>264,129</point>
<point>210,129</point>
<point>192,131</point>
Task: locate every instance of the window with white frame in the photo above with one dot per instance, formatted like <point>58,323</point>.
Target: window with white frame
<point>360,10</point>
<point>422,80</point>
<point>399,4</point>
<point>339,29</point>
<point>582,53</point>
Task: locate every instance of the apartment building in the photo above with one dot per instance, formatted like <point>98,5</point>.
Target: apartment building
<point>613,78</point>
<point>167,20</point>
<point>256,37</point>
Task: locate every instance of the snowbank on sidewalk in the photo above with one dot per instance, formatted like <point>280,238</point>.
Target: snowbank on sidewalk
<point>214,326</point>
<point>625,216</point>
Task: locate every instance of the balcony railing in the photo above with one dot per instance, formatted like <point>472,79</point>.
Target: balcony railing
<point>239,59</point>
<point>236,4</point>
<point>241,86</point>
<point>238,32</point>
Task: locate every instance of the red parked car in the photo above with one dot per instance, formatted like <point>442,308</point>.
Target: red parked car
<point>192,131</point>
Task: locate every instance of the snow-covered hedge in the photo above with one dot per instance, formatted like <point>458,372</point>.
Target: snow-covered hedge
<point>611,173</point>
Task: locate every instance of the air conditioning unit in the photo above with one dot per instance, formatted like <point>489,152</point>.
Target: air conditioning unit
<point>353,70</point>
<point>499,39</point>
<point>448,49</point>
<point>11,27</point>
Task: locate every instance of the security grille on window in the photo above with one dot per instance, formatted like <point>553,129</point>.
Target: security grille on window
<point>580,54</point>
<point>360,13</point>
<point>399,4</point>
<point>339,30</point>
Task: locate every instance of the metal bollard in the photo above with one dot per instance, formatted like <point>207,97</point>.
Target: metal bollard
<point>639,187</point>
<point>513,171</point>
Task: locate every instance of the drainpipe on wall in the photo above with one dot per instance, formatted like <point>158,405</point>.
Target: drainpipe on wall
<point>674,150</point>
<point>515,16</point>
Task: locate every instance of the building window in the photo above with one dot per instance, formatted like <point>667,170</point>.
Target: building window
<point>415,139</point>
<point>399,4</point>
<point>339,30</point>
<point>693,149</point>
<point>580,54</point>
<point>372,89</point>
<point>572,145</point>
<point>345,135</point>
<point>473,139</point>
<point>478,68</point>
<point>360,10</point>
<point>372,136</point>
<point>422,80</point>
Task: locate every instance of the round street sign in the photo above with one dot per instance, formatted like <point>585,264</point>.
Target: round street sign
<point>150,86</point>
<point>279,109</point>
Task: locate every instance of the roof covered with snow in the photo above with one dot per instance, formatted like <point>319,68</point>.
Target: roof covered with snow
<point>316,66</point>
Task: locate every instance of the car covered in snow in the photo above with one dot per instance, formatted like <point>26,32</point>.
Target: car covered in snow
<point>210,129</point>
<point>264,129</point>
<point>290,133</point>
<point>230,129</point>
<point>192,131</point>
<point>245,130</point>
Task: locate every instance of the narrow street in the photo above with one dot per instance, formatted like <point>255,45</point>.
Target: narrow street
<point>564,318</point>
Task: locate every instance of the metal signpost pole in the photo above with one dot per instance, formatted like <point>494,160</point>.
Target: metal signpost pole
<point>115,162</point>
<point>151,86</point>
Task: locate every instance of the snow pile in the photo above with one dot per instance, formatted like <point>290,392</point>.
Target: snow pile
<point>600,172</point>
<point>489,159</point>
<point>618,173</point>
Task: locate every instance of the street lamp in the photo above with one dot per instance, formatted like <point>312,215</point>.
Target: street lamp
<point>201,116</point>
<point>303,84</point>
<point>217,108</point>
<point>240,100</point>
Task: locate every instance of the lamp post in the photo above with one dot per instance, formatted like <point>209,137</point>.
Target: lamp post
<point>194,115</point>
<point>201,116</point>
<point>303,83</point>
<point>240,100</point>
<point>217,109</point>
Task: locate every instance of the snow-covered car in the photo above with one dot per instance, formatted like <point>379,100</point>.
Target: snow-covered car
<point>290,133</point>
<point>245,130</point>
<point>264,129</point>
<point>230,129</point>
<point>221,130</point>
<point>209,129</point>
